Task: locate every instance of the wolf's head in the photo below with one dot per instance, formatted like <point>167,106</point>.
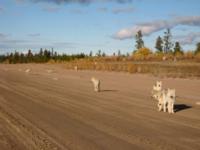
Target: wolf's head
<point>158,86</point>
<point>157,95</point>
<point>92,79</point>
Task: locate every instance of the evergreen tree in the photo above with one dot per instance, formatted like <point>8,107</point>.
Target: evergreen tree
<point>103,54</point>
<point>41,52</point>
<point>91,54</point>
<point>22,58</point>
<point>167,41</point>
<point>30,56</point>
<point>177,48</point>
<point>127,54</point>
<point>98,53</point>
<point>119,53</point>
<point>159,44</point>
<point>139,41</point>
<point>197,48</point>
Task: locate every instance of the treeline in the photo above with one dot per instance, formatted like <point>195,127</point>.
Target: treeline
<point>42,56</point>
<point>165,49</point>
<point>162,45</point>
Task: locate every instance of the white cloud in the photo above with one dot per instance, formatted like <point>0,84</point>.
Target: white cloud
<point>8,42</point>
<point>151,27</point>
<point>3,36</point>
<point>51,9</point>
<point>1,9</point>
<point>34,34</point>
<point>188,39</point>
<point>78,1</point>
<point>102,9</point>
<point>123,10</point>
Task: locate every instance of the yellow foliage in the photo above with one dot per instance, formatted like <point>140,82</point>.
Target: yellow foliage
<point>51,61</point>
<point>189,54</point>
<point>144,51</point>
<point>141,53</point>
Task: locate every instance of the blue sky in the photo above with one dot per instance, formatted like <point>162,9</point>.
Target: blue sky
<point>74,26</point>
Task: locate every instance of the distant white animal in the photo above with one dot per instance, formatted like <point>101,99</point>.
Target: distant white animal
<point>164,58</point>
<point>49,71</point>
<point>166,99</point>
<point>27,70</point>
<point>96,83</point>
<point>76,68</point>
<point>55,78</point>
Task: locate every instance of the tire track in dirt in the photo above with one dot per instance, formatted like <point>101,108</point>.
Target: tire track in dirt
<point>23,128</point>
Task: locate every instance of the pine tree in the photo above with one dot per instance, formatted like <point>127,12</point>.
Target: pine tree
<point>16,57</point>
<point>103,54</point>
<point>30,56</point>
<point>91,54</point>
<point>177,48</point>
<point>167,41</point>
<point>197,48</point>
<point>139,41</point>
<point>98,53</point>
<point>159,44</point>
<point>119,53</point>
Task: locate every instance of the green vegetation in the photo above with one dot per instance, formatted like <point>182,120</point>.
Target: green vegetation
<point>165,50</point>
<point>139,40</point>
<point>159,44</point>
<point>42,57</point>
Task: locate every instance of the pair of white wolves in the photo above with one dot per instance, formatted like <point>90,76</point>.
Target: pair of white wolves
<point>165,97</point>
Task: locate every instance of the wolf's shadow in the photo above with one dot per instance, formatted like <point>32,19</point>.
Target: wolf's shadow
<point>180,107</point>
<point>108,90</point>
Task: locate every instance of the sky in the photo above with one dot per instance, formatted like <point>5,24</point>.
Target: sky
<point>75,26</point>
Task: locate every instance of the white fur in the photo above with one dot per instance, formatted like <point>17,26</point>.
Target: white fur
<point>169,100</point>
<point>96,83</point>
<point>156,88</point>
<point>76,68</point>
<point>49,71</point>
<point>166,99</point>
<point>27,70</point>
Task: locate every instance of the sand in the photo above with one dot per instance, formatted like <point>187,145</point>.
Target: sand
<point>56,110</point>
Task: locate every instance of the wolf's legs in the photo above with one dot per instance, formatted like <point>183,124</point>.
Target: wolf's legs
<point>164,107</point>
<point>159,107</point>
<point>172,107</point>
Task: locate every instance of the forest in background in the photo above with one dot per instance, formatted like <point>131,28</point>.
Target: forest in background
<point>165,49</point>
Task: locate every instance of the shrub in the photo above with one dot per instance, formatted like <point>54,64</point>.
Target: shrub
<point>141,53</point>
<point>189,55</point>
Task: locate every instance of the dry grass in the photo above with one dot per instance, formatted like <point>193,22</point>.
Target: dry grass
<point>180,69</point>
<point>180,65</point>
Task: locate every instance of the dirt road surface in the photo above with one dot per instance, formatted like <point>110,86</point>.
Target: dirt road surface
<point>51,108</point>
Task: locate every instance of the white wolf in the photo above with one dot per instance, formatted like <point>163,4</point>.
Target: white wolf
<point>166,99</point>
<point>76,68</point>
<point>27,70</point>
<point>169,100</point>
<point>96,83</point>
<point>156,88</point>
